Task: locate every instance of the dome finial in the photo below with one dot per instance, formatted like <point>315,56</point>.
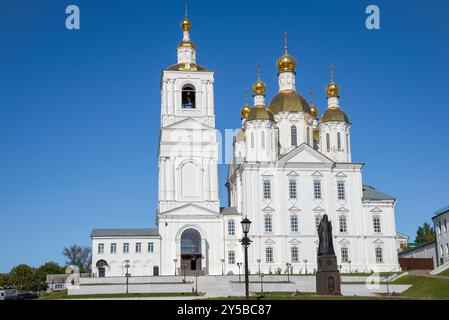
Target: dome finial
<point>186,9</point>
<point>286,63</point>
<point>186,24</point>
<point>313,108</point>
<point>285,42</point>
<point>259,87</point>
<point>332,88</point>
<point>246,109</point>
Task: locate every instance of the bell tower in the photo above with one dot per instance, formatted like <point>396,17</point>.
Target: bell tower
<point>188,148</point>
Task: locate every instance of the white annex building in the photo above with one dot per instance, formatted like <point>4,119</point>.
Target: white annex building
<point>290,166</point>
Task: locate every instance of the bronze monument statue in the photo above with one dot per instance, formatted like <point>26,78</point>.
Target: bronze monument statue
<point>327,276</point>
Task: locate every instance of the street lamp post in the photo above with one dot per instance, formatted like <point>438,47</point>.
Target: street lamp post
<point>246,224</point>
<point>261,283</point>
<point>349,261</point>
<point>238,265</point>
<point>196,282</point>
<point>288,265</point>
<point>184,271</point>
<point>175,261</point>
<point>258,262</point>
<point>305,265</point>
<point>127,275</point>
<point>222,266</point>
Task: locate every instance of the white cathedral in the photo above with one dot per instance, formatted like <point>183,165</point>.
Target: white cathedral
<point>289,167</point>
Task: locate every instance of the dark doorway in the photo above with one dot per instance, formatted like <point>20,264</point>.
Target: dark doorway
<point>101,266</point>
<point>155,270</point>
<point>191,257</point>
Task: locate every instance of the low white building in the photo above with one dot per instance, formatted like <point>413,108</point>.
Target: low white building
<point>290,167</point>
<point>441,226</point>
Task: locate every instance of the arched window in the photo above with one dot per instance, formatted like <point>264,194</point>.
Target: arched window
<point>308,136</point>
<point>188,97</point>
<point>294,137</point>
<point>190,241</point>
<point>339,141</point>
<point>328,143</point>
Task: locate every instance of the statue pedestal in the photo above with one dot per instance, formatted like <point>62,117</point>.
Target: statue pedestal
<point>327,276</point>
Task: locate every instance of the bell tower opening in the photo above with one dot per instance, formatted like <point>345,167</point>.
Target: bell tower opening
<point>188,97</point>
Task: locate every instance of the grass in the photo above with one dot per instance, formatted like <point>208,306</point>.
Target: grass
<point>425,287</point>
<point>63,295</point>
<point>445,273</point>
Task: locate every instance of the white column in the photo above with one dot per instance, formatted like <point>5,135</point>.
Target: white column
<point>204,97</point>
<point>239,192</point>
<point>211,105</point>
<point>213,180</point>
<point>162,180</point>
<point>207,182</point>
<point>209,97</point>
<point>171,97</point>
<point>170,177</point>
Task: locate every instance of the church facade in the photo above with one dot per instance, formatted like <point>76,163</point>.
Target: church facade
<point>290,166</point>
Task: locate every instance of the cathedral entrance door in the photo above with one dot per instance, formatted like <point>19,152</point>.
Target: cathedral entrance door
<point>191,251</point>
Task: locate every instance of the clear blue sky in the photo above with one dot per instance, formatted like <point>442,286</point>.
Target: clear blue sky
<point>79,110</point>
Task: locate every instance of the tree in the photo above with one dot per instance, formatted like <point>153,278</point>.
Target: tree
<point>425,234</point>
<point>51,267</point>
<point>26,278</point>
<point>78,256</point>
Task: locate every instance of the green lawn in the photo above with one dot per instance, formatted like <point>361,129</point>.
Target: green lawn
<point>425,287</point>
<point>64,295</point>
<point>445,273</point>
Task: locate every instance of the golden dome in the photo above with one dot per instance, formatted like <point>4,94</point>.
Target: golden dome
<point>289,101</point>
<point>186,44</point>
<point>334,114</point>
<point>314,111</point>
<point>332,90</point>
<point>246,109</point>
<point>260,113</point>
<point>286,63</point>
<point>186,24</point>
<point>313,108</point>
<point>259,87</point>
<point>185,67</point>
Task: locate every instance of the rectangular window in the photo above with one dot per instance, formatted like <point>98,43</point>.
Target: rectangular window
<point>231,257</point>
<point>318,218</point>
<point>379,255</point>
<point>126,248</point>
<point>376,224</point>
<point>150,247</point>
<point>101,248</point>
<point>231,227</point>
<point>138,247</point>
<point>269,254</point>
<point>267,189</point>
<point>294,223</point>
<point>292,189</point>
<point>341,190</point>
<point>113,247</point>
<point>343,224</point>
<point>344,255</point>
<point>317,189</point>
<point>268,223</point>
<point>294,254</point>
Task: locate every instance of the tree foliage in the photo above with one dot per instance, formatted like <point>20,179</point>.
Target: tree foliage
<point>78,256</point>
<point>425,233</point>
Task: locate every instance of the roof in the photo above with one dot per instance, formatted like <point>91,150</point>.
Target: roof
<point>56,278</point>
<point>370,193</point>
<point>184,67</point>
<point>419,246</point>
<point>145,232</point>
<point>228,211</point>
<point>440,212</point>
<point>289,101</point>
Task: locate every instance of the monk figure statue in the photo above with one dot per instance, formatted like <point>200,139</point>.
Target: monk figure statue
<point>326,246</point>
